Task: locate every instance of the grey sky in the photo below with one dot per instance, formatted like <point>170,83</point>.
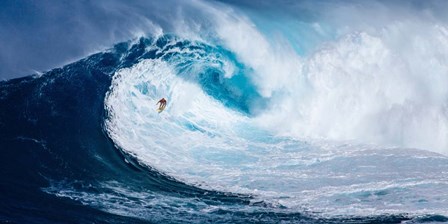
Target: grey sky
<point>38,35</point>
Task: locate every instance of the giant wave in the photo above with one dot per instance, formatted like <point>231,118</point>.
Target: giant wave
<point>346,124</point>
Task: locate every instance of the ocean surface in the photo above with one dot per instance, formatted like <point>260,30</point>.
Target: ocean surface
<point>275,114</point>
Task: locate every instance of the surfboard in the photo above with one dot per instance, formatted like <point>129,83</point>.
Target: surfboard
<point>160,109</point>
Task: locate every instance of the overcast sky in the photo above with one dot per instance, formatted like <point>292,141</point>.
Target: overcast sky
<point>38,35</point>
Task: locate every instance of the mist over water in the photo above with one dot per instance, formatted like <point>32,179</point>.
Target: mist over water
<point>377,74</point>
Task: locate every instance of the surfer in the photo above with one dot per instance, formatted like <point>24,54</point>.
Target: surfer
<point>162,103</point>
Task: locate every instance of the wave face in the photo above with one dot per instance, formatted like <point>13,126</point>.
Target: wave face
<point>307,118</point>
